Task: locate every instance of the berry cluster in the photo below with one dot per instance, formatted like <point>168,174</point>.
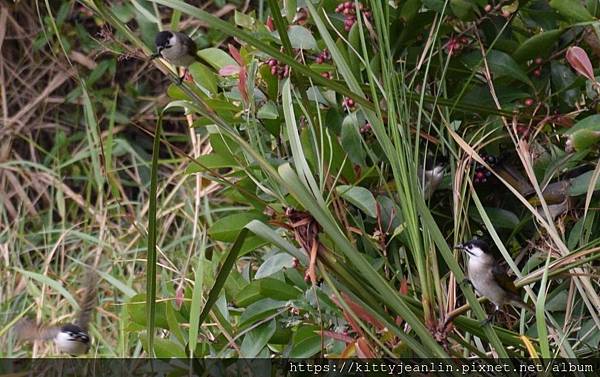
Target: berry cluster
<point>481,173</point>
<point>537,72</point>
<point>349,11</point>
<point>456,45</point>
<point>366,128</point>
<point>323,57</point>
<point>277,69</point>
<point>349,104</point>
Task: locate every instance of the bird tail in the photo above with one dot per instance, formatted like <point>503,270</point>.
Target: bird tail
<point>88,303</point>
<point>521,304</point>
<point>27,330</point>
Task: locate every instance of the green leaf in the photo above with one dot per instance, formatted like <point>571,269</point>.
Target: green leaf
<point>174,322</point>
<point>580,184</point>
<point>221,278</point>
<point>277,289</point>
<point>268,111</point>
<point>197,298</point>
<point>248,295</point>
<point>301,38</point>
<point>537,46</point>
<point>210,161</point>
<point>164,348</point>
<point>352,141</point>
<point>591,123</point>
<point>257,339</point>
<point>306,342</point>
<point>501,64</point>
<point>273,264</point>
<point>216,58</point>
<point>562,79</point>
<point>359,197</point>
<point>227,228</point>
<point>583,139</point>
<point>260,310</point>
<point>204,77</point>
<point>463,9</point>
<point>499,217</point>
<point>572,10</point>
<point>137,308</point>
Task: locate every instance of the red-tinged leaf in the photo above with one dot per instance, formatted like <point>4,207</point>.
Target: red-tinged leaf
<point>337,336</point>
<point>362,313</point>
<point>348,317</point>
<point>235,54</point>
<point>179,296</point>
<point>579,60</point>
<point>242,85</point>
<point>269,24</point>
<point>363,349</point>
<point>230,70</point>
<point>404,287</point>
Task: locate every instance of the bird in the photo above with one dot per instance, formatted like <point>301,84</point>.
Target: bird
<point>176,48</point>
<point>70,338</point>
<point>489,279</point>
<point>431,174</point>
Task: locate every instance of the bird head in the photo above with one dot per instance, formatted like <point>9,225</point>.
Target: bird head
<point>475,248</point>
<point>164,40</point>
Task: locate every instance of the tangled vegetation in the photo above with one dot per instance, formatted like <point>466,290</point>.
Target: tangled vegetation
<point>275,203</point>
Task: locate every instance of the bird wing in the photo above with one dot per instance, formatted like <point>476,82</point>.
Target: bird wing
<point>503,280</point>
<point>189,44</point>
<point>88,303</point>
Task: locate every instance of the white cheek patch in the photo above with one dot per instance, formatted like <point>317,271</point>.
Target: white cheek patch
<point>68,344</point>
<point>172,41</point>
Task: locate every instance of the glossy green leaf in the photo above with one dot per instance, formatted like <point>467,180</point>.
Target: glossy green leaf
<point>210,161</point>
<point>204,77</point>
<point>580,184</point>
<point>538,45</point>
<point>501,64</point>
<point>228,227</point>
<point>256,339</point>
<point>273,264</point>
<point>260,310</point>
<point>359,197</point>
<point>301,38</point>
<point>216,58</point>
<point>572,10</point>
<point>306,342</point>
<point>268,111</point>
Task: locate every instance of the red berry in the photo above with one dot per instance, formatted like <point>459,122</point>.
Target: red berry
<point>273,70</point>
<point>528,102</point>
<point>537,72</point>
<point>538,61</point>
<point>487,8</point>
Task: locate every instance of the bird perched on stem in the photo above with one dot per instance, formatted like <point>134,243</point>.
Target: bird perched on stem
<point>488,278</point>
<point>431,174</point>
<point>176,48</point>
<point>71,338</point>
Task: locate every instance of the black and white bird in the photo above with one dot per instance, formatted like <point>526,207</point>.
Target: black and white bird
<point>70,338</point>
<point>431,174</point>
<point>488,278</point>
<point>176,48</point>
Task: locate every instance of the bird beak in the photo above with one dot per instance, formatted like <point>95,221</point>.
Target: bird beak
<point>462,247</point>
